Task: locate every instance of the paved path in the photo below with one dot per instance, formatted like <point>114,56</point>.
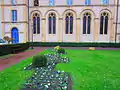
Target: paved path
<point>7,62</point>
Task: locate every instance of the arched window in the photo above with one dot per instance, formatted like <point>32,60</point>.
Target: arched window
<point>36,23</point>
<point>69,23</point>
<point>87,2</point>
<point>51,2</point>
<point>86,23</point>
<point>36,2</point>
<point>69,2</point>
<point>104,1</point>
<point>104,23</point>
<point>52,23</point>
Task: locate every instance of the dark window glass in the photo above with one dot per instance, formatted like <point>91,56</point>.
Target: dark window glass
<point>71,24</point>
<point>67,24</point>
<point>84,25</point>
<point>36,3</point>
<point>106,25</point>
<point>38,25</point>
<point>89,24</point>
<point>101,24</point>
<point>50,25</point>
<point>54,25</point>
<point>34,25</point>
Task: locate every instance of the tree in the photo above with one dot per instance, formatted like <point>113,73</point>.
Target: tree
<point>8,39</point>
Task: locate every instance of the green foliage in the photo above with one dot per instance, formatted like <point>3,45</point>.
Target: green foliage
<point>61,50</point>
<point>74,44</point>
<point>15,76</point>
<point>39,61</point>
<point>93,70</point>
<point>8,49</point>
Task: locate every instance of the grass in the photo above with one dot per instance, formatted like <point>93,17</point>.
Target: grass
<point>93,70</point>
<point>14,77</point>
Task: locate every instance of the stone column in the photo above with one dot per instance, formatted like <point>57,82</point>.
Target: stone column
<point>43,30</point>
<point>60,30</point>
<point>96,29</point>
<point>111,30</point>
<point>78,29</point>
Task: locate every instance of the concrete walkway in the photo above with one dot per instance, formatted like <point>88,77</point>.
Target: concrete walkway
<point>11,60</point>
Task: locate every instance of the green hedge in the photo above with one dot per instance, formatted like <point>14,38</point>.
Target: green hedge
<point>68,44</point>
<point>8,49</point>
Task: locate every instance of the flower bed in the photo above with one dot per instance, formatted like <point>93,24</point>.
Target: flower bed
<point>47,78</point>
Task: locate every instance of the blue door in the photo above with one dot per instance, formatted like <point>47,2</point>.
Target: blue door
<point>15,35</point>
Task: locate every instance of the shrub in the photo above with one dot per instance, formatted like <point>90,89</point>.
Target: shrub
<point>39,61</point>
<point>61,50</point>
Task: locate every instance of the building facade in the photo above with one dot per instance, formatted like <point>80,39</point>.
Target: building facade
<point>61,20</point>
<point>0,21</point>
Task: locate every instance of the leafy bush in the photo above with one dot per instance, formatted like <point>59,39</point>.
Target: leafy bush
<point>9,48</point>
<point>74,44</point>
<point>61,50</point>
<point>39,61</point>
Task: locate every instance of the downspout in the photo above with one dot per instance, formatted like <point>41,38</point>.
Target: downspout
<point>116,21</point>
<point>28,24</point>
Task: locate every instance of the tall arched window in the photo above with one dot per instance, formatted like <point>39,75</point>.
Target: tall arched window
<point>36,23</point>
<point>69,23</point>
<point>36,2</point>
<point>52,23</point>
<point>86,23</point>
<point>104,23</point>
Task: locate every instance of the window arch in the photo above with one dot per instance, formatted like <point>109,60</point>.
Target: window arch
<point>52,23</point>
<point>69,23</point>
<point>36,23</point>
<point>86,23</point>
<point>104,1</point>
<point>36,2</point>
<point>104,23</point>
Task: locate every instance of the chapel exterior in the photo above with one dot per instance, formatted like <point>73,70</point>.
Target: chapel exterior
<point>61,20</point>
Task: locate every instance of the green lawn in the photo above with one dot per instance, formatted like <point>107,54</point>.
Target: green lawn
<point>93,70</point>
<point>14,77</point>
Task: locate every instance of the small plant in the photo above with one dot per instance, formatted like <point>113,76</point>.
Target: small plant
<point>8,39</point>
<point>61,50</point>
<point>39,61</point>
<point>57,47</point>
<point>91,48</point>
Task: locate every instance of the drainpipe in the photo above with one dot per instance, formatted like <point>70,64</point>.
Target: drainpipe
<point>28,24</point>
<point>116,21</point>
